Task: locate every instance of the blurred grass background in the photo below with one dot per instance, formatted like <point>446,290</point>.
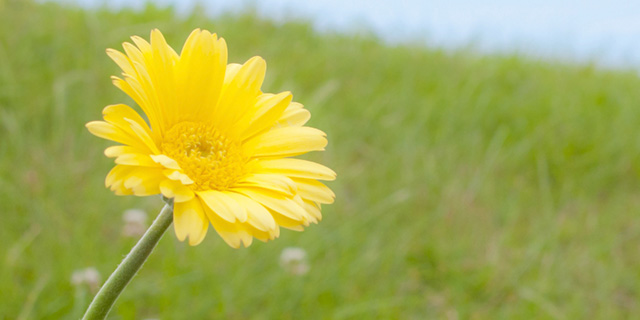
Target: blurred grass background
<point>469,187</point>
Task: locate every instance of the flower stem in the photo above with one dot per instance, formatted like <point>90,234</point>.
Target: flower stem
<point>103,301</point>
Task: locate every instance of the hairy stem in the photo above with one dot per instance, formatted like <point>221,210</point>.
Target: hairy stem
<point>106,297</point>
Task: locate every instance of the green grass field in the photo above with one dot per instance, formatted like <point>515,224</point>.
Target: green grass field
<point>469,187</point>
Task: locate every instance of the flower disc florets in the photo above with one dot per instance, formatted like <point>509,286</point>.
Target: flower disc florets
<point>209,158</point>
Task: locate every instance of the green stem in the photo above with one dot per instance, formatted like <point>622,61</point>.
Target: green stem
<point>103,301</point>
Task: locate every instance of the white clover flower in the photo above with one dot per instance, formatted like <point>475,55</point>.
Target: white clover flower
<point>89,277</point>
<point>135,223</point>
<point>294,260</point>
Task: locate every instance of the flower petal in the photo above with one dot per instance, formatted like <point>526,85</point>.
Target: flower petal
<point>257,215</point>
<point>133,89</point>
<point>314,190</point>
<point>115,179</point>
<point>276,202</point>
<point>296,168</point>
<point>265,235</point>
<point>115,151</point>
<point>176,190</point>
<point>124,125</point>
<point>136,159</point>
<point>223,205</point>
<point>234,234</point>
<point>295,115</point>
<point>274,182</point>
<point>144,181</point>
<point>289,223</point>
<point>287,141</point>
<point>143,135</point>
<point>141,181</point>
<point>122,61</point>
<point>160,60</point>
<point>269,108</point>
<point>239,94</point>
<point>166,161</point>
<point>313,209</point>
<point>111,132</point>
<point>178,175</point>
<point>200,73</point>
<point>189,221</point>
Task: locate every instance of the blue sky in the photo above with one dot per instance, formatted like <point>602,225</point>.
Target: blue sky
<point>606,32</point>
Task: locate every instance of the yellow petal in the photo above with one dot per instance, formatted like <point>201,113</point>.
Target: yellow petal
<point>265,235</point>
<point>115,151</point>
<point>178,175</point>
<point>223,205</point>
<point>295,115</point>
<point>111,132</point>
<point>310,216</point>
<point>287,141</point>
<point>275,202</point>
<point>189,221</point>
<point>232,70</point>
<point>166,161</point>
<point>143,135</point>
<point>269,108</point>
<point>144,83</point>
<point>200,73</point>
<point>161,49</point>
<point>313,209</point>
<point>144,181</point>
<point>130,122</point>
<point>239,94</point>
<point>121,60</point>
<point>315,191</point>
<point>176,191</point>
<point>291,224</point>
<point>234,234</point>
<point>274,182</point>
<point>136,159</point>
<point>115,179</point>
<point>141,181</point>
<point>133,89</point>
<point>160,64</point>
<point>257,215</point>
<point>144,47</point>
<point>296,168</point>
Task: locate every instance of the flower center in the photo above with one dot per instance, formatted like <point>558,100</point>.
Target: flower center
<point>210,159</point>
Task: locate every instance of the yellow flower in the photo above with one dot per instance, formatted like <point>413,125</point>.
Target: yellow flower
<point>217,145</point>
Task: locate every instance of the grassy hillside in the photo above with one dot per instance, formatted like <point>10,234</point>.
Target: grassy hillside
<point>470,187</point>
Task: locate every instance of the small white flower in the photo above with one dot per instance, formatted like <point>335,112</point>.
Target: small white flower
<point>294,260</point>
<point>89,276</point>
<point>77,278</point>
<point>135,223</point>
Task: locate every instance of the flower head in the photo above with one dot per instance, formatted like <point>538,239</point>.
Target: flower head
<point>215,143</point>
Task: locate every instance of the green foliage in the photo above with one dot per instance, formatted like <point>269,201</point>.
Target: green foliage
<point>481,187</point>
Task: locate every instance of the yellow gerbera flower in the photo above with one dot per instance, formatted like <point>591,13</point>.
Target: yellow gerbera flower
<point>216,145</point>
